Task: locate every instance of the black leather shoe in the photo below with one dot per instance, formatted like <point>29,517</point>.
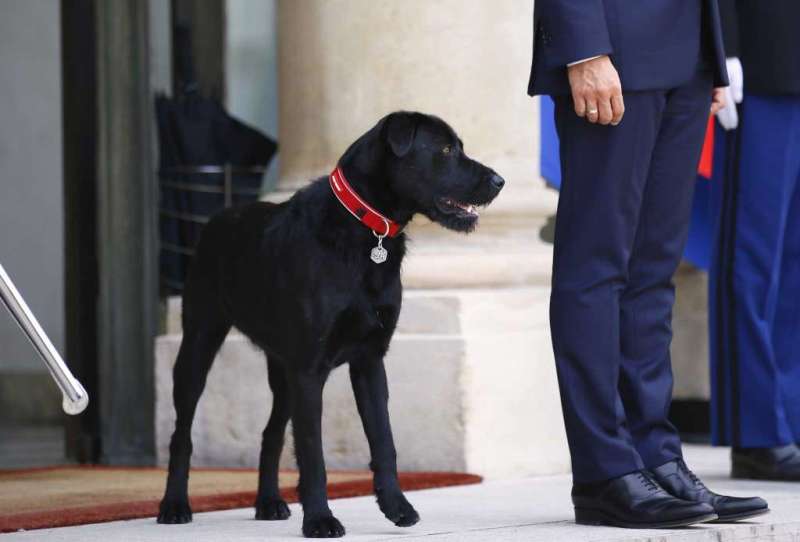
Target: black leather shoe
<point>676,478</point>
<point>781,463</point>
<point>635,501</point>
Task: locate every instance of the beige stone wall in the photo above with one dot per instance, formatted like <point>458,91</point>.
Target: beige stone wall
<point>345,63</point>
<point>690,362</point>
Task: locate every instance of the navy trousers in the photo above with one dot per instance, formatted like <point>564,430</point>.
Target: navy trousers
<point>622,222</point>
<point>754,289</point>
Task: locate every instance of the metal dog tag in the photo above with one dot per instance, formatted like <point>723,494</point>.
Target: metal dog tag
<point>379,254</point>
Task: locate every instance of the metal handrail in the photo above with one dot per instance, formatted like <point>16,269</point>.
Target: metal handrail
<point>75,397</point>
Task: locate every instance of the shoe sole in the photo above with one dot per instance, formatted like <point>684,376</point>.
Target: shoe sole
<point>740,472</point>
<point>589,516</point>
<point>743,515</point>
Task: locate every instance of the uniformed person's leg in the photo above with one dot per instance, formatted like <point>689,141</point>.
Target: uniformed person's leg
<point>604,169</point>
<point>786,328</point>
<point>750,410</point>
<point>719,275</point>
<point>646,302</point>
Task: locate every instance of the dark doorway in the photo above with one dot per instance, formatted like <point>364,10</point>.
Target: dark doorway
<point>110,206</point>
<point>79,91</point>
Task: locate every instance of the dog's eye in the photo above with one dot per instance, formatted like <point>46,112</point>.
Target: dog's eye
<point>447,149</point>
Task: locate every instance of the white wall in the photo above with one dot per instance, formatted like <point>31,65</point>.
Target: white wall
<point>31,184</point>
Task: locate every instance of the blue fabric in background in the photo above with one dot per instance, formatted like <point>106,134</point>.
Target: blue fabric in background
<point>699,245</point>
<point>754,279</point>
<point>548,160</point>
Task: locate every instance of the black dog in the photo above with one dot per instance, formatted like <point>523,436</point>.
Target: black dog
<point>315,283</point>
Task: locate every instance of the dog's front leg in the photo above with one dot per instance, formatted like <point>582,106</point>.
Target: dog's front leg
<point>318,521</point>
<point>368,378</point>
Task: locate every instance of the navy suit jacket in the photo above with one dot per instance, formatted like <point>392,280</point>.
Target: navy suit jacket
<point>764,35</point>
<point>654,44</point>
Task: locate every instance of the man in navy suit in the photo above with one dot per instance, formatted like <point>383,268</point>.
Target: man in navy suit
<point>633,84</point>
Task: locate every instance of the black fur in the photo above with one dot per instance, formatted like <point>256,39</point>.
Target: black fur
<point>297,279</point>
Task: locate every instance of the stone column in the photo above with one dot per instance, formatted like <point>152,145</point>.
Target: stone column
<point>345,63</point>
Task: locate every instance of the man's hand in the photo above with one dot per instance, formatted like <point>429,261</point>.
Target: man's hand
<point>718,99</point>
<point>596,91</point>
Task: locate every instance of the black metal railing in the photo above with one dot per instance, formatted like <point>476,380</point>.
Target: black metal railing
<point>190,196</point>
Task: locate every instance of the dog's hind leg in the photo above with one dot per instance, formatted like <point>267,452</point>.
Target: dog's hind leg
<point>368,378</point>
<point>198,348</point>
<point>269,504</point>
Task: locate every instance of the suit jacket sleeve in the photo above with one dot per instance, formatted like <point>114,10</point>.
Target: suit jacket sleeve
<point>729,18</point>
<point>572,30</point>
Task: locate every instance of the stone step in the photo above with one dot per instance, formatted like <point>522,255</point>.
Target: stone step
<point>469,369</point>
<point>235,406</point>
<point>492,256</point>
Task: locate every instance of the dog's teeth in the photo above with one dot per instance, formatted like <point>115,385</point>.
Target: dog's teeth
<point>466,207</point>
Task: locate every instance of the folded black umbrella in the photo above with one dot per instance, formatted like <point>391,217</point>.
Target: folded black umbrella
<point>195,130</point>
<point>207,160</point>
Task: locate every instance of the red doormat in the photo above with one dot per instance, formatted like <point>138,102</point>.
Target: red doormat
<point>62,496</point>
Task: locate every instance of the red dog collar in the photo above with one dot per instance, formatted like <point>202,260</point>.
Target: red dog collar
<point>360,209</point>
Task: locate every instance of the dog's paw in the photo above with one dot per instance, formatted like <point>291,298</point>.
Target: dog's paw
<point>324,527</point>
<point>398,510</point>
<point>174,511</point>
<point>272,509</point>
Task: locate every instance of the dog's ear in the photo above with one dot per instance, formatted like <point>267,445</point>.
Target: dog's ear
<point>400,131</point>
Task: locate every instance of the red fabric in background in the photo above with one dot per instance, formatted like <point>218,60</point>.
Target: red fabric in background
<point>707,157</point>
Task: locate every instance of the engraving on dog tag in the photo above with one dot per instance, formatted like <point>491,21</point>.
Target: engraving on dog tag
<point>379,254</point>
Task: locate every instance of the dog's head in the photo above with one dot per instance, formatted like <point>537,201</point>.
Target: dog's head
<point>423,162</point>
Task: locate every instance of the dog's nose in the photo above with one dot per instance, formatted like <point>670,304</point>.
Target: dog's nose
<point>497,181</point>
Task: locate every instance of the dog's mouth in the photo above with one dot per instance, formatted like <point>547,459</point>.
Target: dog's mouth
<point>462,210</point>
<point>455,214</point>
